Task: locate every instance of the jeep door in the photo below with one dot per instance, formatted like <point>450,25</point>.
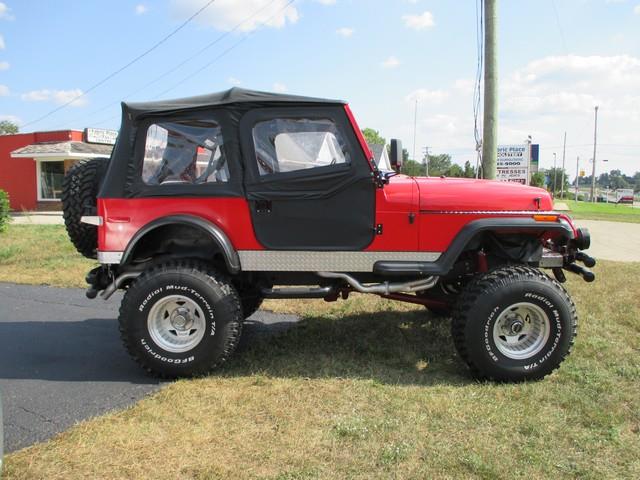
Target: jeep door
<point>308,182</point>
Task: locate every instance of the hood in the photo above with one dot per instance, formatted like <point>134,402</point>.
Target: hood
<point>465,194</point>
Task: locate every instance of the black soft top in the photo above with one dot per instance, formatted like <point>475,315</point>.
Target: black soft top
<point>228,97</point>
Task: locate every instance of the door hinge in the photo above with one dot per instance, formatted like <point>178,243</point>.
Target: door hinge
<point>412,218</point>
<point>379,229</point>
<point>263,206</point>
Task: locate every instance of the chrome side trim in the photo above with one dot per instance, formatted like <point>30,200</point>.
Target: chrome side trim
<point>92,220</point>
<point>109,257</point>
<point>314,261</point>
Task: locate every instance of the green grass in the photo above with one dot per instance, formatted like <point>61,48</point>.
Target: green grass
<point>603,211</point>
<point>362,389</point>
<point>41,255</point>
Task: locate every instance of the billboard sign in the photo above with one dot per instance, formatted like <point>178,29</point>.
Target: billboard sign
<point>513,163</point>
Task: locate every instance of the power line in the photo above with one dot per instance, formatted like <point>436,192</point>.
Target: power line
<point>477,87</point>
<point>214,60</point>
<point>242,39</point>
<point>124,67</point>
<point>182,63</point>
<point>564,43</point>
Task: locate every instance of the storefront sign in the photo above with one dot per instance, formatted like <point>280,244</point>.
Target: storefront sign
<point>513,163</point>
<point>100,135</point>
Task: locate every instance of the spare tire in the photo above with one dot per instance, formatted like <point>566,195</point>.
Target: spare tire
<point>79,192</point>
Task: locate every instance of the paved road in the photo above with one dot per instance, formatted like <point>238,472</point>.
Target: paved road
<point>613,240</point>
<point>61,360</point>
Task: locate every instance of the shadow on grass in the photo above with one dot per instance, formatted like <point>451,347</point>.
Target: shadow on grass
<point>386,347</point>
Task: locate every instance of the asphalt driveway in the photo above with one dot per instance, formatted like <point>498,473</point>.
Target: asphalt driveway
<point>61,360</point>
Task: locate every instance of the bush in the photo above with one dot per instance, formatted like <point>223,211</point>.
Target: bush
<point>4,210</point>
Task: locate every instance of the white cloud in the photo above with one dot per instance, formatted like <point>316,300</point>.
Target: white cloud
<point>56,96</point>
<point>226,14</point>
<point>636,9</point>
<point>11,118</point>
<point>4,91</point>
<point>279,87</point>
<point>326,2</point>
<point>2,44</point>
<point>141,9</point>
<point>345,31</point>
<point>5,12</point>
<point>391,62</point>
<point>4,66</point>
<point>234,81</point>
<point>423,95</point>
<point>419,22</point>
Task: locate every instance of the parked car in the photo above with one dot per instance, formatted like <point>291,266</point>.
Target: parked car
<point>211,204</point>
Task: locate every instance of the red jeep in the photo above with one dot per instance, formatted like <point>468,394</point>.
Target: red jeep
<point>210,204</point>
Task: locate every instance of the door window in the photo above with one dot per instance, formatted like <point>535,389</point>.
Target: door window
<point>51,177</point>
<point>288,145</point>
<point>184,153</point>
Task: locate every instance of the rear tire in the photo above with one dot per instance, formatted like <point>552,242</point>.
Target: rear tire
<point>79,197</point>
<point>514,324</point>
<point>180,319</point>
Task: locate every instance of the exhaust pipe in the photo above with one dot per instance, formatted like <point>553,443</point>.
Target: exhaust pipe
<point>383,288</point>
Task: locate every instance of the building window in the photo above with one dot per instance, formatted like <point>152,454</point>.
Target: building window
<point>51,176</point>
<point>184,153</point>
<point>288,145</point>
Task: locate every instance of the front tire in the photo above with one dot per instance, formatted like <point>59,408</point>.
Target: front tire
<point>514,324</point>
<point>180,319</point>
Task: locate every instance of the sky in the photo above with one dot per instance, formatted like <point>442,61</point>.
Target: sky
<point>558,59</point>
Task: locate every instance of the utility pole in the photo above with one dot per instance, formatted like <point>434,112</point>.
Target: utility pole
<point>490,121</point>
<point>564,149</point>
<point>415,124</point>
<point>593,170</point>
<point>577,177</point>
<point>555,174</point>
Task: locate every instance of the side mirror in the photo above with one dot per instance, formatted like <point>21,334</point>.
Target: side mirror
<point>395,155</point>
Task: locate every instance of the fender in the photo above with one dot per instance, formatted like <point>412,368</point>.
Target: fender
<point>216,233</point>
<point>443,265</point>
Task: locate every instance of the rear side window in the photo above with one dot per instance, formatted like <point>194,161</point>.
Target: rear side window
<point>187,152</point>
<point>291,144</point>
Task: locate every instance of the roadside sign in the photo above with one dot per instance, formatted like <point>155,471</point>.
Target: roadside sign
<point>513,163</point>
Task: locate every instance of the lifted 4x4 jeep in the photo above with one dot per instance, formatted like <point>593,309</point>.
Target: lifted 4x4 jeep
<point>210,204</point>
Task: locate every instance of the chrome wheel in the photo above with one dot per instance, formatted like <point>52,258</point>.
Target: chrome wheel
<point>176,323</point>
<point>521,331</point>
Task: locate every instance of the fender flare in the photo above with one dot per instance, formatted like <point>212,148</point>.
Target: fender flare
<point>443,265</point>
<point>231,257</point>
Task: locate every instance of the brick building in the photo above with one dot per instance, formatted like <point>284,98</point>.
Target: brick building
<point>32,165</point>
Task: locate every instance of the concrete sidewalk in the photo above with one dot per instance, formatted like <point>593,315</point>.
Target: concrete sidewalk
<point>613,240</point>
<point>37,218</point>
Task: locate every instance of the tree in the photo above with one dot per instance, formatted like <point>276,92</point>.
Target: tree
<point>469,170</point>
<point>373,136</point>
<point>455,170</point>
<point>439,164</point>
<point>537,179</point>
<point>413,169</point>
<point>556,174</point>
<point>7,127</point>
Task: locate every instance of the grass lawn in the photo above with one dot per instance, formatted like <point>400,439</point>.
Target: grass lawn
<point>373,389</point>
<point>603,211</point>
<point>41,255</point>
